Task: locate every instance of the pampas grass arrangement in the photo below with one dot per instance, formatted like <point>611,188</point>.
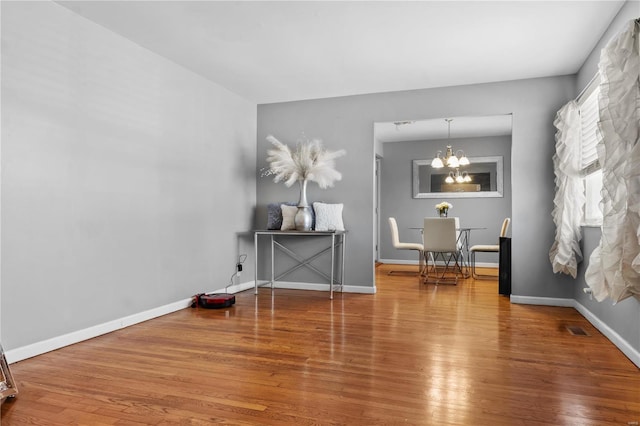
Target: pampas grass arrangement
<point>309,162</point>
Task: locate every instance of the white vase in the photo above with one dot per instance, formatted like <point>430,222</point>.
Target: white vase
<point>303,216</point>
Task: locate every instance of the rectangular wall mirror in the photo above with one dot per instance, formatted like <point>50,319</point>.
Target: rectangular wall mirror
<point>486,175</point>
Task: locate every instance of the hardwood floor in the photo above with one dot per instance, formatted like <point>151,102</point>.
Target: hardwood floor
<point>411,354</point>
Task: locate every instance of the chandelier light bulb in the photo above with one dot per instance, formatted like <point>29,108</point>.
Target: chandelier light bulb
<point>452,159</point>
<point>437,161</point>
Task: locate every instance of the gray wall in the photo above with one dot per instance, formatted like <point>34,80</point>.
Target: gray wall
<point>396,195</point>
<point>624,317</point>
<point>124,176</point>
<point>347,122</point>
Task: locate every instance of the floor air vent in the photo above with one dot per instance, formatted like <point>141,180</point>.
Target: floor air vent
<point>577,330</point>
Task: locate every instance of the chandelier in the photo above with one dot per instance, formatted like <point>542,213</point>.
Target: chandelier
<point>450,159</point>
<point>458,177</point>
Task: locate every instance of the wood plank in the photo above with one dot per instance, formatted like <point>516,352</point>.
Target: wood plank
<point>410,354</point>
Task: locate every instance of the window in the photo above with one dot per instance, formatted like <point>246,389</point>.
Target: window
<point>590,166</point>
<point>592,188</point>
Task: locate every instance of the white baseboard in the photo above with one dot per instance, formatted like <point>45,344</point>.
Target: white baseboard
<point>486,265</point>
<point>58,342</point>
<point>545,301</point>
<point>624,346</point>
<point>359,289</point>
<point>38,348</point>
<point>399,261</point>
<point>415,262</point>
<point>615,338</point>
<point>236,288</point>
<point>320,287</point>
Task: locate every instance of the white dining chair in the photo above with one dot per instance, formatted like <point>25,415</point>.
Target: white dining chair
<point>440,241</point>
<point>395,240</point>
<point>487,248</point>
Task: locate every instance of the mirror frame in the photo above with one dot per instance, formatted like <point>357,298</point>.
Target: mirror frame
<point>498,160</point>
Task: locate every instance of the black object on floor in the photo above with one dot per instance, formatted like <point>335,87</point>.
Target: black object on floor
<point>504,267</point>
<point>213,300</point>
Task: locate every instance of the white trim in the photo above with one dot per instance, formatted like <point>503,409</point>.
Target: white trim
<point>399,261</point>
<point>58,342</point>
<point>236,288</point>
<point>609,333</point>
<point>415,262</point>
<point>544,301</point>
<point>589,88</point>
<point>361,289</point>
<point>624,346</point>
<point>486,265</point>
<point>320,287</point>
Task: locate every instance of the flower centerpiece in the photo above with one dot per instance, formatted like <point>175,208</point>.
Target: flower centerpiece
<point>443,208</point>
<point>310,161</point>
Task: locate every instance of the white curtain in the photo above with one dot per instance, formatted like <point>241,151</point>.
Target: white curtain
<point>614,268</point>
<point>569,200</point>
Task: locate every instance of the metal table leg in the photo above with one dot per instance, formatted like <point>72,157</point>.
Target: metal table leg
<point>8,387</point>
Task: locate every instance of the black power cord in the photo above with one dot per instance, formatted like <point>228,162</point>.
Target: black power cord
<point>237,271</point>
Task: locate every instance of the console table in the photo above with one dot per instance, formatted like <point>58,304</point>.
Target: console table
<point>337,241</point>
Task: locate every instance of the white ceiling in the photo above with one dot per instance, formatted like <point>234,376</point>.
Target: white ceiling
<point>268,51</point>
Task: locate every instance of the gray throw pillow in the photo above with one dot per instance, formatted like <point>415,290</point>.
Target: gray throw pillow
<point>274,214</point>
